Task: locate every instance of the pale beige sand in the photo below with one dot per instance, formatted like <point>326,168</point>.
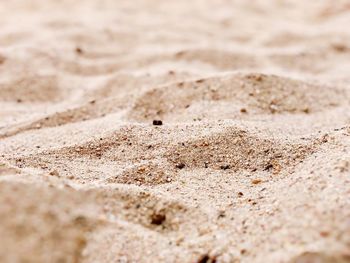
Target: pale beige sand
<point>251,164</point>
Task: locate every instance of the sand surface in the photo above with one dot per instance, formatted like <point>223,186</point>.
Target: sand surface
<point>251,164</point>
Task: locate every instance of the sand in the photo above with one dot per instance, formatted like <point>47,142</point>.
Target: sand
<point>251,159</point>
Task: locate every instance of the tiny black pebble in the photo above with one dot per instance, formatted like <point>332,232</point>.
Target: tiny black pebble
<point>157,122</point>
<point>268,167</point>
<point>157,219</point>
<point>180,165</point>
<point>224,167</point>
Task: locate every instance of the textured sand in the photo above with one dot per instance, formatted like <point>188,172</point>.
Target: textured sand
<point>251,164</point>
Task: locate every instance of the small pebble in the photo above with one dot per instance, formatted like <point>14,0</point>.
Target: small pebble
<point>157,218</point>
<point>157,122</point>
<point>180,165</point>
<point>224,167</point>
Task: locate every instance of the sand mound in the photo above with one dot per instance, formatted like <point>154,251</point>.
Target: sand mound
<point>157,159</point>
<point>42,224</point>
<point>31,89</point>
<point>239,95</point>
<point>237,149</point>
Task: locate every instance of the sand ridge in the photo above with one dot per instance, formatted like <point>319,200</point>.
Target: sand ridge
<point>251,162</point>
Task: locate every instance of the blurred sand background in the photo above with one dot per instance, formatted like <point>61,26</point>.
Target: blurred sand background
<point>251,164</point>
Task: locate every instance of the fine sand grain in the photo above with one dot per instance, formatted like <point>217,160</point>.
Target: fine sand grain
<point>174,131</point>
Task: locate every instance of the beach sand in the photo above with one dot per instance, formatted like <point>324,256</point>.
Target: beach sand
<point>251,162</point>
